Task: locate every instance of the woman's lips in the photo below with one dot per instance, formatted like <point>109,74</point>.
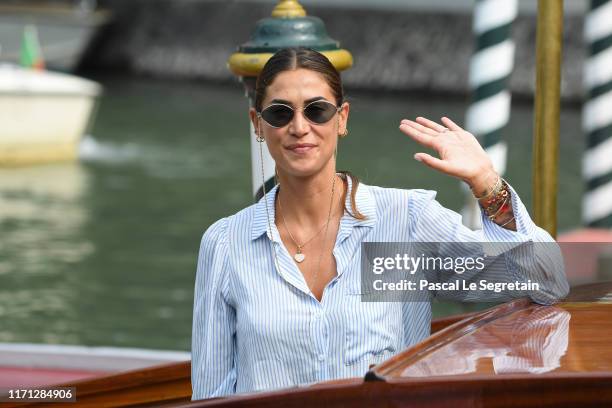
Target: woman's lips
<point>301,148</point>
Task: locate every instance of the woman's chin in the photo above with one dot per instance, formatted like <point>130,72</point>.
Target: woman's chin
<point>304,166</point>
<point>303,169</point>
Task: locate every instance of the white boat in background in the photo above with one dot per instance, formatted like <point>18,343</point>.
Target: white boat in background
<point>43,114</point>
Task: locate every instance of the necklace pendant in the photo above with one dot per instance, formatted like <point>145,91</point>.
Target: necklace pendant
<point>299,257</point>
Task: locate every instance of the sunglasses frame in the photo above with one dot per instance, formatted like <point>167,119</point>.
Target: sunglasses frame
<point>259,114</point>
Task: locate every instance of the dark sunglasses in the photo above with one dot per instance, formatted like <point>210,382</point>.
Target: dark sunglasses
<point>318,112</point>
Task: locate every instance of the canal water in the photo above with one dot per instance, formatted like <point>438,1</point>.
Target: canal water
<point>103,251</point>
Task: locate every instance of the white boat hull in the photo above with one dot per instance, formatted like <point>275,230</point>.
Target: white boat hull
<point>43,116</point>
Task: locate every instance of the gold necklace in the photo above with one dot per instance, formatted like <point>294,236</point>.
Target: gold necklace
<point>331,203</point>
<point>299,255</point>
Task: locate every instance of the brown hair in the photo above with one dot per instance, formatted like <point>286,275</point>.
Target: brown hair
<point>289,59</point>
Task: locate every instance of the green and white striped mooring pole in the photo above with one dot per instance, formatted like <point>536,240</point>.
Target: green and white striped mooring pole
<point>490,69</point>
<point>597,116</point>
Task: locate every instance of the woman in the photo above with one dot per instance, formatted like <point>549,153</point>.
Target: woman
<point>277,300</point>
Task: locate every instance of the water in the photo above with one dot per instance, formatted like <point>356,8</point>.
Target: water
<point>103,252</point>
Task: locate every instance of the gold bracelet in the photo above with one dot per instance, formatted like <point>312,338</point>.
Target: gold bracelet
<point>492,217</point>
<point>494,203</point>
<point>495,187</point>
<point>507,222</point>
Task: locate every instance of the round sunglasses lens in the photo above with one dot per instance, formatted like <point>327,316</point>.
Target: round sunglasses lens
<point>277,115</point>
<point>320,112</point>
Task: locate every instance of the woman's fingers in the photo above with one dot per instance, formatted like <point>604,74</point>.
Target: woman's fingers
<point>434,162</point>
<point>430,124</point>
<point>419,127</point>
<point>420,137</point>
<point>450,124</point>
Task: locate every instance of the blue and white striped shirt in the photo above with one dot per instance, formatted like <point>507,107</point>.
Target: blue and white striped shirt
<point>259,328</point>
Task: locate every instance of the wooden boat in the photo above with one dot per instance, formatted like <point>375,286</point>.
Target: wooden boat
<point>515,354</point>
<point>43,114</point>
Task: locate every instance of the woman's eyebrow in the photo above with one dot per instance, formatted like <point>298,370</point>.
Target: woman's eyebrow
<point>316,98</point>
<point>306,102</point>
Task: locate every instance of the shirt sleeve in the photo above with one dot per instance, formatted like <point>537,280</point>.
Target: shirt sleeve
<point>213,371</point>
<point>527,255</point>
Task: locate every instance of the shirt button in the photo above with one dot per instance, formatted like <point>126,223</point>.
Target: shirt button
<point>321,357</point>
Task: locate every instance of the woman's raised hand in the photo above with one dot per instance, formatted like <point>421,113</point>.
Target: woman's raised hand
<point>460,154</point>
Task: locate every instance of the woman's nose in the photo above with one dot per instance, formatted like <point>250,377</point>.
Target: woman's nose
<point>299,125</point>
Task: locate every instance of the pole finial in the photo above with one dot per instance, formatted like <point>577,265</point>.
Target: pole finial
<point>288,9</point>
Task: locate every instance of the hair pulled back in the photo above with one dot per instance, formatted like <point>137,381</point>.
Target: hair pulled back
<point>290,59</point>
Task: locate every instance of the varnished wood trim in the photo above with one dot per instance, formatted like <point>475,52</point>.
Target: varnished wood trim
<point>443,322</point>
<point>448,335</point>
<point>159,384</point>
<point>565,389</point>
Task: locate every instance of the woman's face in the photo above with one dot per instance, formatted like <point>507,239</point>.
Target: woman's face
<point>301,148</point>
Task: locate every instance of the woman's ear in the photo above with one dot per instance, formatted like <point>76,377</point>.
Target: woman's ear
<point>343,114</point>
<point>254,119</point>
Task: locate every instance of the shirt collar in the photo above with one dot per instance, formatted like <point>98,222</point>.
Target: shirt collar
<point>260,218</point>
<point>364,199</point>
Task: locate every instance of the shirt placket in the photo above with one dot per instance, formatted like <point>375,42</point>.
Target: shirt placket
<point>320,329</point>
